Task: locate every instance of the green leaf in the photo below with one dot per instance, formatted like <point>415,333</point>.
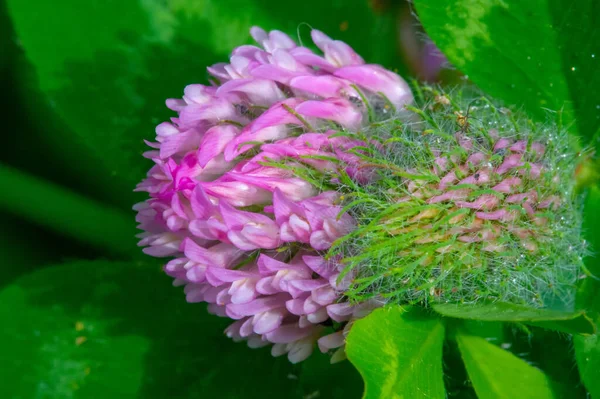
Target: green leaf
<point>496,373</point>
<point>590,286</point>
<point>67,212</point>
<point>108,70</point>
<point>537,54</point>
<point>587,349</point>
<point>587,353</point>
<point>398,353</point>
<point>119,330</point>
<point>569,322</point>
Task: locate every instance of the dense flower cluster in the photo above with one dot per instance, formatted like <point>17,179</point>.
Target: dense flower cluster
<point>248,236</point>
<point>299,191</point>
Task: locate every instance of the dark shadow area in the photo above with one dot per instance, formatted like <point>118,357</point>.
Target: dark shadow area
<point>553,353</point>
<point>25,247</point>
<point>187,355</point>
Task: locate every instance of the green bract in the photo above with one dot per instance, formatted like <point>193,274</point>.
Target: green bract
<point>465,201</point>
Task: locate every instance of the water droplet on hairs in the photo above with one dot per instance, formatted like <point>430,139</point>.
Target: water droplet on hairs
<point>573,68</point>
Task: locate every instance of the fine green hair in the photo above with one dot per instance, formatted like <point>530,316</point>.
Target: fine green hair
<point>391,256</point>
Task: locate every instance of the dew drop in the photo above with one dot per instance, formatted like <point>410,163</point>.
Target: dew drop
<point>528,57</point>
<point>573,68</point>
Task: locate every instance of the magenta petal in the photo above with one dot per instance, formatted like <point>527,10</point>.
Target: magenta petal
<point>280,40</point>
<point>215,111</point>
<point>257,306</point>
<point>284,207</point>
<point>296,306</point>
<point>217,310</point>
<point>256,341</point>
<point>276,73</point>
<point>319,265</point>
<point>269,122</point>
<point>331,341</point>
<point>340,311</point>
<point>288,333</point>
<point>317,317</point>
<point>309,285</point>
<point>243,291</point>
<point>233,330</point>
<point>201,205</point>
<point>265,286</point>
<point>195,293</point>
<point>218,275</point>
<point>376,79</point>
<point>336,51</point>
<point>219,71</point>
<point>300,351</point>
<point>268,321</point>
<point>324,86</point>
<point>300,227</point>
<point>267,265</point>
<point>310,306</point>
<point>261,92</point>
<point>220,255</point>
<point>324,295</point>
<point>179,143</point>
<point>510,162</point>
<point>500,214</point>
<point>506,185</point>
<point>199,94</point>
<point>319,240</point>
<point>196,274</point>
<point>338,110</point>
<point>246,328</point>
<point>214,141</point>
<point>223,298</point>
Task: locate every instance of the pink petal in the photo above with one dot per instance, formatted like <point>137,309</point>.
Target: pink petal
<point>507,185</point>
<point>331,341</point>
<point>265,286</point>
<point>324,86</point>
<point>246,329</point>
<point>300,351</point>
<point>220,255</point>
<point>510,162</point>
<point>324,295</point>
<point>340,311</point>
<point>214,141</point>
<point>261,92</point>
<point>319,265</point>
<point>336,109</point>
<point>268,321</point>
<point>296,306</point>
<point>288,333</point>
<point>318,317</point>
<point>237,311</point>
<point>378,79</point>
<point>284,207</point>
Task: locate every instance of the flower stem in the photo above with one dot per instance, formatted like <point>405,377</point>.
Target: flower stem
<point>66,212</point>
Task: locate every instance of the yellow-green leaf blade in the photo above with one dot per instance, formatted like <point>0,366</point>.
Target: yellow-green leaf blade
<point>498,374</point>
<point>398,353</point>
